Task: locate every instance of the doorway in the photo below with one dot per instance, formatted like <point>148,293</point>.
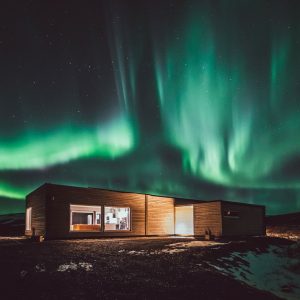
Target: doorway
<point>184,220</point>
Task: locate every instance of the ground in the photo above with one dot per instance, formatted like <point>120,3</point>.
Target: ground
<point>147,268</point>
<point>142,268</point>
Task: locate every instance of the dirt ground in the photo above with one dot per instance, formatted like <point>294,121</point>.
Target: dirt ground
<point>128,268</point>
<point>291,232</point>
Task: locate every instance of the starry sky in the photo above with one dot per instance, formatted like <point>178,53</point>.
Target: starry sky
<point>197,99</point>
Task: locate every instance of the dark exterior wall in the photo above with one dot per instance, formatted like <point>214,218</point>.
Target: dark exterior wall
<point>181,201</point>
<point>160,215</point>
<point>251,220</point>
<point>207,216</point>
<point>59,199</point>
<point>36,200</point>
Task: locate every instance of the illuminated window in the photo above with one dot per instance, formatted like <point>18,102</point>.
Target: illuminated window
<point>117,218</point>
<point>85,218</point>
<point>231,214</point>
<point>28,218</point>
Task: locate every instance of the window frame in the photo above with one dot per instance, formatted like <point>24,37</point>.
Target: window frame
<point>119,230</point>
<point>94,212</point>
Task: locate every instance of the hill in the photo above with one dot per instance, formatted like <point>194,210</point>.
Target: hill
<point>12,224</point>
<point>284,226</point>
<point>285,219</point>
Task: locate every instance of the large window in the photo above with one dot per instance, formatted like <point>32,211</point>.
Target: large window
<point>117,218</point>
<point>85,218</point>
<point>28,218</point>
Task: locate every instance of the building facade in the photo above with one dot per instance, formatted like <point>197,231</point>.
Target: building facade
<point>58,211</point>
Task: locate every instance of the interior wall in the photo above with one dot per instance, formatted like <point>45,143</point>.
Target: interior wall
<point>184,220</point>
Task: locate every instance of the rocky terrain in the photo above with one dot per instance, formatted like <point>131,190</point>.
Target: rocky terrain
<point>143,268</point>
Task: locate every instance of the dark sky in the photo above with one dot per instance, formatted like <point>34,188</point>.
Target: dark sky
<point>198,99</point>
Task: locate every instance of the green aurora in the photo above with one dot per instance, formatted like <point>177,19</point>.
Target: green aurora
<point>190,99</point>
<point>44,150</point>
<point>211,114</point>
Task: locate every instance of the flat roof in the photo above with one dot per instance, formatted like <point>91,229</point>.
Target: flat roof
<point>167,196</point>
<point>237,203</point>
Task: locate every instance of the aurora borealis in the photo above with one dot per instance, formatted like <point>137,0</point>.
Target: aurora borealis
<point>198,99</point>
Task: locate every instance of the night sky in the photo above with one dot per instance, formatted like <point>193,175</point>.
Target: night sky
<point>198,99</point>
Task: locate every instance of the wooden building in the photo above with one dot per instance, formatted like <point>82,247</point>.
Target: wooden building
<point>58,211</point>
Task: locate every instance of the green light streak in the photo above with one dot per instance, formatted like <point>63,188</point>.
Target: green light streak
<point>195,96</point>
<point>210,111</point>
<point>13,192</point>
<point>278,69</point>
<point>125,60</point>
<point>42,150</point>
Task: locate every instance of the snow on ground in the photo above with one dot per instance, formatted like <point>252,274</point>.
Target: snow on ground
<point>277,270</point>
<point>40,268</point>
<point>285,235</point>
<point>175,248</point>
<point>67,267</point>
<point>192,244</point>
<point>12,238</point>
<point>73,267</point>
<point>153,252</point>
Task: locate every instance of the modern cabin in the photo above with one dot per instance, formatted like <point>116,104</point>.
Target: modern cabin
<point>59,211</point>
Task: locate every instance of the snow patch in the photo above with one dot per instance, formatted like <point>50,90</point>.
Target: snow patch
<point>175,248</point>
<point>73,267</point>
<point>40,268</point>
<point>193,244</point>
<point>23,273</point>
<point>285,235</point>
<point>276,270</point>
<point>172,251</point>
<point>86,266</point>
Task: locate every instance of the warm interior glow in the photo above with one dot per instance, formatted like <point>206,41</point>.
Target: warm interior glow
<point>117,218</point>
<point>28,218</point>
<point>184,220</point>
<point>85,218</point>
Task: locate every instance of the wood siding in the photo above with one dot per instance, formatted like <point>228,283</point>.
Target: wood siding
<point>207,216</point>
<point>249,222</point>
<point>36,200</point>
<point>160,215</point>
<point>149,215</point>
<point>58,210</point>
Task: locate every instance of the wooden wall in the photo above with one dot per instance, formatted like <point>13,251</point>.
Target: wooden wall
<point>250,220</point>
<point>207,216</point>
<point>150,215</point>
<point>36,201</point>
<point>59,199</point>
<point>160,215</point>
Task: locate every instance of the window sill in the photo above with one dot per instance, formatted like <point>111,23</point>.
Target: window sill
<point>96,231</point>
<point>117,230</point>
